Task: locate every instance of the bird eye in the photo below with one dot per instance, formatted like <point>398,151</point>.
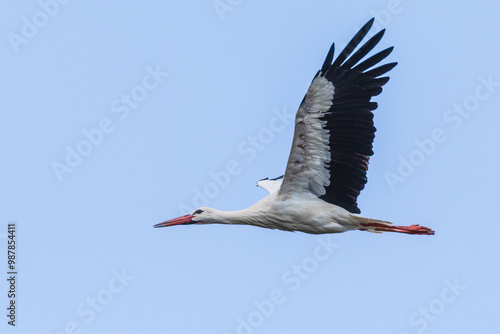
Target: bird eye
<point>198,211</point>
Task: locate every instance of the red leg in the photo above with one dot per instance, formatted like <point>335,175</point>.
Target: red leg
<point>412,229</point>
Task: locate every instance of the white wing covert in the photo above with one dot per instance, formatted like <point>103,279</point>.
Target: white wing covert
<point>271,185</point>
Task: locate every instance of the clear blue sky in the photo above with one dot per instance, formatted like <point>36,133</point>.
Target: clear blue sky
<point>117,117</point>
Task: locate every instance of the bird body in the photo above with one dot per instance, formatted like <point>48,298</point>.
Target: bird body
<point>328,161</point>
<point>294,212</point>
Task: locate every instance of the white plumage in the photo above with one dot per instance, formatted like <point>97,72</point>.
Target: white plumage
<point>271,186</point>
<point>331,146</point>
<point>309,157</point>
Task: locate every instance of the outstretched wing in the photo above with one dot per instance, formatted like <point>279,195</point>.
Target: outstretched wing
<point>334,128</point>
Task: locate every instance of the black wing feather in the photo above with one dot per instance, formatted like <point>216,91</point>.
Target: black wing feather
<point>352,44</point>
<point>329,58</point>
<point>363,51</point>
<point>373,60</point>
<point>350,118</point>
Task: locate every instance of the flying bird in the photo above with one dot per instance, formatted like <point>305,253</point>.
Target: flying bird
<point>331,146</point>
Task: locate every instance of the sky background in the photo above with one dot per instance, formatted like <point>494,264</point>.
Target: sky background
<point>189,103</point>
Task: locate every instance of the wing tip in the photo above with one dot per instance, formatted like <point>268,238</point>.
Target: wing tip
<point>370,23</point>
<point>356,40</point>
<point>328,60</point>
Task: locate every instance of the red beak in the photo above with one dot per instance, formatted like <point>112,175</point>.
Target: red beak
<point>186,220</point>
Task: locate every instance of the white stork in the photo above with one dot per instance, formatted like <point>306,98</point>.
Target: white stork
<point>328,161</point>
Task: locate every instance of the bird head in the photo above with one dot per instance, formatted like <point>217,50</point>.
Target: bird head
<point>198,216</point>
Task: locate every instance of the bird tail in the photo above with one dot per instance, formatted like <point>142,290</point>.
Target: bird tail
<point>379,226</point>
